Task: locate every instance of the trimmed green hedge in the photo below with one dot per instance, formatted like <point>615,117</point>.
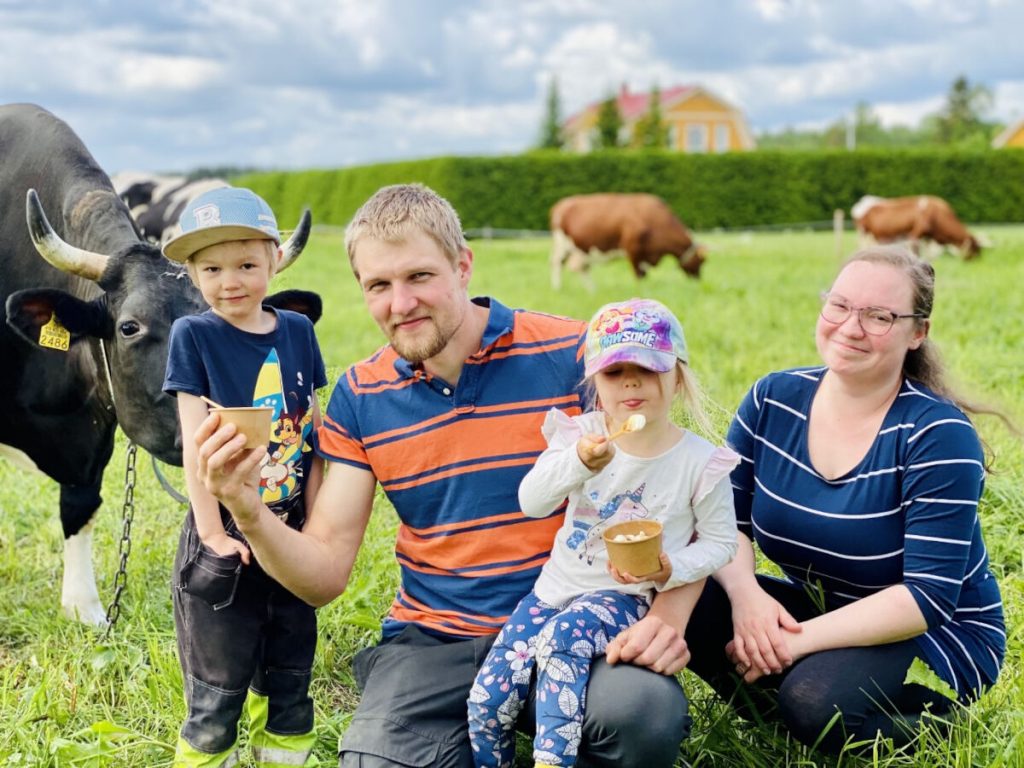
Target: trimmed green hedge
<point>707,191</point>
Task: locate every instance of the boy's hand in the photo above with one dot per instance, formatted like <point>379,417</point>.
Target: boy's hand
<point>225,546</point>
<point>595,452</point>
<point>661,576</point>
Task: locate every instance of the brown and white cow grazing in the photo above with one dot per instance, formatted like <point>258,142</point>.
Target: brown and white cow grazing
<point>587,229</point>
<point>915,218</point>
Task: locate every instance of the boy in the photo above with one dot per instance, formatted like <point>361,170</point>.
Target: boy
<point>238,628</point>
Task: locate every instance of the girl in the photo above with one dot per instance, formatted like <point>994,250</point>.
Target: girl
<point>636,363</point>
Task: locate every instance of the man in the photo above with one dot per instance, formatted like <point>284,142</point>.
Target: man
<point>447,418</point>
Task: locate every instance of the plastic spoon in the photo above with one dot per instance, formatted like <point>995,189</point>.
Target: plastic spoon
<point>634,423</point>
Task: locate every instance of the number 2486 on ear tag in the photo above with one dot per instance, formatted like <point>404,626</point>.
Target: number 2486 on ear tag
<point>54,335</point>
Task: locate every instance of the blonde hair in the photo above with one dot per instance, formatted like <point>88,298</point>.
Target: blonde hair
<point>690,396</point>
<point>393,211</point>
<point>694,402</point>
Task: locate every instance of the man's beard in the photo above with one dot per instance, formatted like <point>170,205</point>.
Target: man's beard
<point>442,328</point>
<point>418,351</point>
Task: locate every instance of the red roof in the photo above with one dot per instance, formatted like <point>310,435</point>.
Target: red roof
<point>633,105</point>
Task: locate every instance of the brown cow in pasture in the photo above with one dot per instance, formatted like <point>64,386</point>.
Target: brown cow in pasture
<point>588,229</point>
<point>915,218</point>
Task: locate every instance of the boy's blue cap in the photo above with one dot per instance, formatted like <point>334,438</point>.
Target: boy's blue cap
<point>221,216</point>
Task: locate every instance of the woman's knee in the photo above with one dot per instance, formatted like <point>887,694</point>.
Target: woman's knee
<point>811,714</point>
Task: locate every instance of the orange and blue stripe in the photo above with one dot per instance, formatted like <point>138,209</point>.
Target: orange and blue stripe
<point>450,460</point>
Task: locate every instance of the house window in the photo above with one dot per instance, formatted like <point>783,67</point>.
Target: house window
<point>721,137</point>
<point>673,137</point>
<point>696,138</point>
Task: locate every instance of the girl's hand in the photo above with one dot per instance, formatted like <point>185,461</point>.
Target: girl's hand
<point>595,451</point>
<point>759,646</point>
<point>225,546</point>
<point>661,576</point>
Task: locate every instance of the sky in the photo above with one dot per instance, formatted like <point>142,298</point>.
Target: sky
<point>175,85</point>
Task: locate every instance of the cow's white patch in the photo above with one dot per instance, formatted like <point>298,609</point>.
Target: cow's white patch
<point>861,206</point>
<point>79,598</point>
<point>565,253</point>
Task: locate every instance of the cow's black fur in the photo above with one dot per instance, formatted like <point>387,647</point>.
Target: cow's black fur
<point>57,406</point>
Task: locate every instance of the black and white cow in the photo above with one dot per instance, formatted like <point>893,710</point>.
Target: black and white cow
<point>156,202</point>
<point>85,343</point>
<point>137,189</point>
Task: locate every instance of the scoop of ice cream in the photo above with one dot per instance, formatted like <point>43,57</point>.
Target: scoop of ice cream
<point>635,423</point>
<point>624,537</point>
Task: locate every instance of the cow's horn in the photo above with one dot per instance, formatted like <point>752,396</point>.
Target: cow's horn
<point>64,257</point>
<point>292,247</point>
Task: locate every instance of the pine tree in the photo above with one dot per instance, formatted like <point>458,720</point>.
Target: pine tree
<point>609,123</point>
<point>551,129</point>
<point>961,118</point>
<point>650,130</point>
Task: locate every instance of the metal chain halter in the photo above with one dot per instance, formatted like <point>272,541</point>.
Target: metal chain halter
<point>125,545</point>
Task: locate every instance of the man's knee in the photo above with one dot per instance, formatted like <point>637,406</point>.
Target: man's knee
<point>618,729</point>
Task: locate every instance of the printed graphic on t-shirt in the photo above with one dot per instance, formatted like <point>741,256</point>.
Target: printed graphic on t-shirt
<point>281,470</point>
<point>591,518</point>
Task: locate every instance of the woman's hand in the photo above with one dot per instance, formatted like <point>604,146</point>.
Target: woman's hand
<point>661,576</point>
<point>225,546</point>
<point>595,451</point>
<point>759,646</point>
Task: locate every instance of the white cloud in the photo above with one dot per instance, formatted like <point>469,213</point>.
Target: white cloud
<point>300,83</point>
<point>771,10</point>
<point>158,73</point>
<point>1009,98</point>
<point>594,60</point>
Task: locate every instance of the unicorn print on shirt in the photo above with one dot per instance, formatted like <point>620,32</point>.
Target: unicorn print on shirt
<point>592,518</point>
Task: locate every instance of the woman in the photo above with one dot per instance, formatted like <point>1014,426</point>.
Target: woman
<point>860,480</point>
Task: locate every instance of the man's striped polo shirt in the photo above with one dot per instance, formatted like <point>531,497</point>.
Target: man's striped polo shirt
<point>450,460</point>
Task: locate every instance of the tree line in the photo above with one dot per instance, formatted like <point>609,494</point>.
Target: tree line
<point>959,124</point>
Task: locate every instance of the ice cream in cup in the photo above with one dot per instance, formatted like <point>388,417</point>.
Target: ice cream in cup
<point>253,422</point>
<point>634,546</point>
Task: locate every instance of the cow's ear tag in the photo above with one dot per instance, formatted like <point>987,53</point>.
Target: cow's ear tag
<point>54,335</point>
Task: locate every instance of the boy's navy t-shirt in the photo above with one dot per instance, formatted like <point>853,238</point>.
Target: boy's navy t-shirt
<point>283,369</point>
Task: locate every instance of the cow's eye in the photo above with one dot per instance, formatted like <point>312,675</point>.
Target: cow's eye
<point>129,328</point>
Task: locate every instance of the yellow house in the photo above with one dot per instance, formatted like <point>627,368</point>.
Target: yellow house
<point>1013,136</point>
<point>697,120</point>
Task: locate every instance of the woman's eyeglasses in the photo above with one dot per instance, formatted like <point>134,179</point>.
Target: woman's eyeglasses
<point>873,320</point>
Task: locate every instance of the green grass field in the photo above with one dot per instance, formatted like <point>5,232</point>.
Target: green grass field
<point>70,698</point>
